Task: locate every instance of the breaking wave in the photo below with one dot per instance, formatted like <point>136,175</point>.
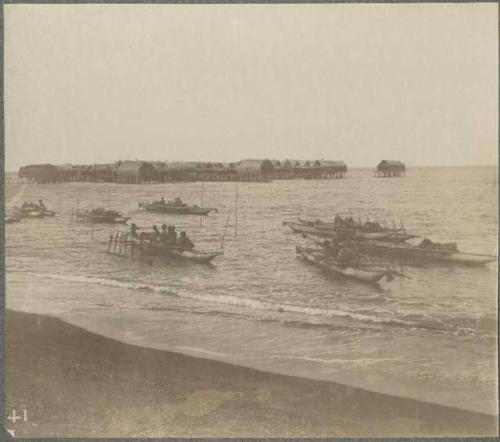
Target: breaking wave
<point>254,304</point>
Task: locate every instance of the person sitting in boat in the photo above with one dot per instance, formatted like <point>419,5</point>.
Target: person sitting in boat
<point>172,235</point>
<point>370,226</point>
<point>345,234</point>
<point>162,200</point>
<point>155,235</point>
<point>41,205</point>
<point>331,248</point>
<point>184,241</point>
<point>164,234</point>
<point>178,202</point>
<point>347,257</point>
<point>133,231</point>
<point>349,222</point>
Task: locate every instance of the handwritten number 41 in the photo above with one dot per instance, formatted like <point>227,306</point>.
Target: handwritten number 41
<point>14,417</point>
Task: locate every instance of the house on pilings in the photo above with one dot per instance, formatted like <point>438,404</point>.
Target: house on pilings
<point>46,173</point>
<point>389,168</point>
<point>135,172</point>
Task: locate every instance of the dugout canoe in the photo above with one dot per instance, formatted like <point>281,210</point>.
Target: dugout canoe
<point>100,217</point>
<point>328,232</point>
<point>176,210</point>
<point>179,253</point>
<point>318,258</point>
<point>421,254</point>
<point>121,243</point>
<point>381,234</point>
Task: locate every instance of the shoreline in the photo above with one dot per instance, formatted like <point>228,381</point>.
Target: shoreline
<point>75,383</point>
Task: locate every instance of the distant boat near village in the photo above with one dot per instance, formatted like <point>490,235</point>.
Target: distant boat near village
<point>175,207</point>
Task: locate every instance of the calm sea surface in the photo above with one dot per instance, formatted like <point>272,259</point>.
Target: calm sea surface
<point>431,336</point>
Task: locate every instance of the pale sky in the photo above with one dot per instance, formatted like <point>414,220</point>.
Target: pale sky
<point>360,83</point>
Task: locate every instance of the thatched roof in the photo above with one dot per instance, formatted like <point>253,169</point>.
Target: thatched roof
<point>390,164</point>
<point>254,166</point>
<point>337,165</point>
<point>185,165</point>
<point>64,167</point>
<point>133,168</point>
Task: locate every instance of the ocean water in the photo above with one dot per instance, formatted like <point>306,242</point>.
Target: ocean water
<point>431,336</point>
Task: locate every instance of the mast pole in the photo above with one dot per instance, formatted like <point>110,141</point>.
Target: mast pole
<point>201,201</point>
<point>236,211</point>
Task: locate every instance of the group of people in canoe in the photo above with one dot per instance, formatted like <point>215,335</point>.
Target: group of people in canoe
<point>348,223</point>
<point>166,236</point>
<point>33,206</point>
<point>177,202</point>
<point>351,245</point>
<point>343,253</point>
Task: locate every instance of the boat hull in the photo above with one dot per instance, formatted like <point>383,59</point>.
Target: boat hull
<point>13,219</point>
<point>330,232</point>
<point>121,244</point>
<point>421,255</point>
<point>300,228</point>
<point>183,255</point>
<point>177,210</point>
<point>382,235</point>
<point>101,219</point>
<point>361,275</point>
<point>35,212</point>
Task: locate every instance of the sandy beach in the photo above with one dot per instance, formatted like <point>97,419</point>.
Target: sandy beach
<point>77,384</point>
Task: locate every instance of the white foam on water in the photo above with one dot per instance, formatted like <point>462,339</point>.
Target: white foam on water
<point>223,299</point>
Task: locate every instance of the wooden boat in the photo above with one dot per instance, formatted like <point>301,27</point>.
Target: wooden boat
<point>35,211</point>
<point>310,230</point>
<point>100,216</point>
<point>324,232</point>
<point>14,218</point>
<point>362,274</point>
<point>378,232</point>
<point>32,213</point>
<point>192,255</point>
<point>421,254</point>
<point>122,244</point>
<point>175,209</point>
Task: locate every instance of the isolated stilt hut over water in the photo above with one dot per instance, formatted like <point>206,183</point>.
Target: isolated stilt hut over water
<point>388,168</point>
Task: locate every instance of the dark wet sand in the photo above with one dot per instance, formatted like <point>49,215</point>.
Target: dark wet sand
<point>77,384</point>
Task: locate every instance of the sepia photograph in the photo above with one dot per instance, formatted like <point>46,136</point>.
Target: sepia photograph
<point>251,220</point>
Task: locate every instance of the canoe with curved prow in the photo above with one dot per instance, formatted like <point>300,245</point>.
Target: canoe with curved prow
<point>302,228</point>
<point>122,244</point>
<point>381,234</point>
<point>422,254</point>
<point>15,218</point>
<point>34,211</point>
<point>176,210</point>
<point>109,217</point>
<point>192,255</point>
<point>32,214</point>
<point>335,233</point>
<point>358,273</point>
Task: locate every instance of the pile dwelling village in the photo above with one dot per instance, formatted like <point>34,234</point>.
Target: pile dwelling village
<point>184,171</point>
